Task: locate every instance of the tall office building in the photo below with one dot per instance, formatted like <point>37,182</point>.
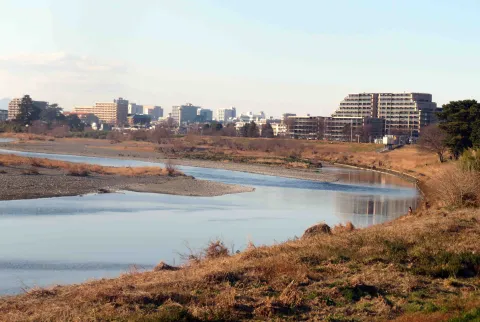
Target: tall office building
<point>155,112</point>
<point>135,109</point>
<point>225,114</point>
<point>14,107</point>
<point>184,113</point>
<point>114,113</point>
<point>204,115</point>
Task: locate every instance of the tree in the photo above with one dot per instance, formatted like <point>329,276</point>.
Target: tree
<point>267,130</point>
<point>51,114</point>
<point>460,121</point>
<point>347,132</point>
<point>433,139</point>
<point>29,112</point>
<point>74,123</point>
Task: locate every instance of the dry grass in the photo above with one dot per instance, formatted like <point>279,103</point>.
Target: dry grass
<point>425,267</point>
<point>80,169</point>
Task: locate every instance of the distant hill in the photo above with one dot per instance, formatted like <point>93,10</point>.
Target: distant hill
<point>4,103</point>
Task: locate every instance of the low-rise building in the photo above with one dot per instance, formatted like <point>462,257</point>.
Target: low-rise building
<point>141,120</point>
<point>304,127</point>
<point>279,129</point>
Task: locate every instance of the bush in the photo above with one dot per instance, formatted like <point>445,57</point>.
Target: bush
<point>31,172</point>
<point>171,169</point>
<point>216,249</point>
<point>78,172</point>
<point>470,160</point>
<point>457,188</point>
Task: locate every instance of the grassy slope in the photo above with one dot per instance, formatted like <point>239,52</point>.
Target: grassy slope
<point>420,266</point>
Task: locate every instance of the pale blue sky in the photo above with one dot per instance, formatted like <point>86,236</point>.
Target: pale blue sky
<point>277,56</point>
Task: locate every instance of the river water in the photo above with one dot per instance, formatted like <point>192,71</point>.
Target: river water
<point>73,239</point>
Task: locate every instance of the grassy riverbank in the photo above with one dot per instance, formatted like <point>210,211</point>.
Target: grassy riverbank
<point>422,267</point>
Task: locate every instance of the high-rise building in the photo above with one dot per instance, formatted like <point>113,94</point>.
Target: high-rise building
<point>225,114</point>
<point>115,112</point>
<point>135,109</point>
<point>184,113</point>
<point>155,112</point>
<point>3,115</point>
<point>14,107</point>
<point>204,115</point>
<point>400,113</point>
<point>406,113</point>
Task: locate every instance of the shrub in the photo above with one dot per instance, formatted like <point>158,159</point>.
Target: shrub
<point>78,171</point>
<point>171,169</point>
<point>470,160</point>
<point>31,172</point>
<point>457,188</point>
<point>216,249</point>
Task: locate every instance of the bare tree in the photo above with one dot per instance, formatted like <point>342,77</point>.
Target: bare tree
<point>432,138</point>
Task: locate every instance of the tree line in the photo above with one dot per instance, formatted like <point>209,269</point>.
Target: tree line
<point>458,130</point>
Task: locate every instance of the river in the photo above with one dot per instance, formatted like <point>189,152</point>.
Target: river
<point>74,239</point>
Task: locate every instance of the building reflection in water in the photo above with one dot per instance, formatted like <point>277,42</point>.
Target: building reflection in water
<point>369,210</point>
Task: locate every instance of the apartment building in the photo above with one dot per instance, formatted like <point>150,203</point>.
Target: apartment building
<point>279,129</point>
<point>184,114</point>
<point>406,113</point>
<point>304,127</point>
<point>3,115</point>
<point>154,111</point>
<point>226,114</point>
<point>398,113</point>
<point>14,107</point>
<point>114,113</point>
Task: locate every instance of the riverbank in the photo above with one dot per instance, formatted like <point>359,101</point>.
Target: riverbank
<point>30,178</point>
<point>98,148</point>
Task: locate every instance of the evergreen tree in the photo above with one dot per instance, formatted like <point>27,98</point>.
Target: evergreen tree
<point>461,121</point>
<point>29,112</point>
<point>267,131</point>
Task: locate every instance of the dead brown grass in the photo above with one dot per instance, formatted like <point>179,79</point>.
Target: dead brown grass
<point>423,267</point>
<point>81,169</point>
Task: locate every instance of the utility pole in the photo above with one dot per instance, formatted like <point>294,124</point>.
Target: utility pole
<point>351,130</point>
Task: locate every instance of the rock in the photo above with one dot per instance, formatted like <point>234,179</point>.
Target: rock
<point>317,230</point>
<point>162,266</point>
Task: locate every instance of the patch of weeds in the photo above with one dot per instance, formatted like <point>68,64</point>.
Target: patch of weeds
<point>355,293</point>
<point>472,316</point>
<point>447,264</point>
<point>420,306</point>
<point>340,259</point>
<point>339,318</point>
<point>328,301</point>
<point>397,250</point>
<point>311,296</point>
<point>168,313</point>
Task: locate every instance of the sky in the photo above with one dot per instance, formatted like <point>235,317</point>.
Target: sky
<point>258,55</point>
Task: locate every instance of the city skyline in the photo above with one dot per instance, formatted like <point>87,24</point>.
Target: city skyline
<point>273,56</point>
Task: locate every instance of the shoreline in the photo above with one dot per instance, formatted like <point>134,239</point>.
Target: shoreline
<point>307,174</point>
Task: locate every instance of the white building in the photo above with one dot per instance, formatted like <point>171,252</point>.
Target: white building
<point>225,115</point>
<point>185,113</point>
